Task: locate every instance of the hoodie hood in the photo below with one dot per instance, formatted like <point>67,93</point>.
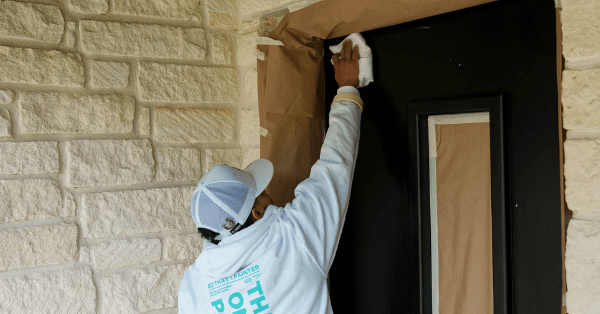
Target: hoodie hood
<point>237,251</point>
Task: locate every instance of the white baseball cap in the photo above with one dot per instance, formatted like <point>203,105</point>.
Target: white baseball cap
<point>223,198</point>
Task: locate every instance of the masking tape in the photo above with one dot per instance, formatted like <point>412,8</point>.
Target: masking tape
<point>298,6</point>
<point>263,131</point>
<point>260,55</point>
<point>268,41</point>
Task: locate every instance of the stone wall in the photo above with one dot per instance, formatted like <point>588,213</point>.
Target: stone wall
<point>110,112</point>
<point>581,119</point>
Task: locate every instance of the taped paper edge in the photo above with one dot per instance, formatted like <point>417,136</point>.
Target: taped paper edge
<point>268,41</point>
<point>298,6</point>
<point>260,55</point>
<point>263,131</point>
<point>461,118</point>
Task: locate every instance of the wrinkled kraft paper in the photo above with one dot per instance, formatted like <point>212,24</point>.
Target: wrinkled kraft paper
<point>291,82</point>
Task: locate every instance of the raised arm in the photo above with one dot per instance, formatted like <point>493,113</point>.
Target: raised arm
<point>321,202</point>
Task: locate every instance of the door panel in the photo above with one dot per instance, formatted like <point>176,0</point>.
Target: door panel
<point>506,48</point>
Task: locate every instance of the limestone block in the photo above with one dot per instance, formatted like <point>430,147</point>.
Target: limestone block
<point>572,3</point>
<point>250,127</point>
<point>28,158</point>
<point>580,27</point>
<point>581,99</point>
<point>4,123</point>
<point>145,121</point>
<point>76,113</point>
<point>255,6</point>
<point>29,200</point>
<point>119,253</point>
<point>69,291</point>
<point>31,21</point>
<point>84,254</point>
<point>222,48</point>
<point>111,162</point>
<point>37,66</point>
<point>223,13</point>
<point>109,214</point>
<point>90,6</point>
<point>234,157</point>
<point>187,246</point>
<point>178,164</point>
<point>109,74</point>
<point>142,290</point>
<point>582,175</point>
<point>172,82</point>
<point>246,54</point>
<point>194,125</point>
<point>69,206</point>
<point>250,84</point>
<point>142,40</point>
<point>6,96</point>
<point>582,262</point>
<point>37,246</point>
<point>68,39</point>
<point>180,10</point>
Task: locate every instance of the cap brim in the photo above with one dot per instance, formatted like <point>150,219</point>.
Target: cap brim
<point>262,171</point>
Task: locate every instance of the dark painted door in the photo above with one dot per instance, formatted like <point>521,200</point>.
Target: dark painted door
<point>506,48</point>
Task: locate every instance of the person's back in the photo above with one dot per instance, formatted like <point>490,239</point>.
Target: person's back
<point>279,263</point>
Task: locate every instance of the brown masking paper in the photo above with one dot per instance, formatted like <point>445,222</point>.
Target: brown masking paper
<point>291,85</point>
<point>464,218</point>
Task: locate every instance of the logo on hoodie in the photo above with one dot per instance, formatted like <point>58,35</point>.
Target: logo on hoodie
<point>238,293</point>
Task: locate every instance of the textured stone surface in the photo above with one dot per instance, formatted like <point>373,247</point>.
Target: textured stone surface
<point>172,82</point>
<point>250,84</point>
<point>6,96</point>
<point>111,162</point>
<point>180,10</point>
<point>255,6</point>
<point>193,125</point>
<point>178,164</point>
<point>84,254</point>
<point>581,99</point>
<point>582,175</point>
<point>29,200</point>
<point>76,113</point>
<point>580,27</point>
<point>4,123</point>
<point>109,74</point>
<point>147,40</point>
<point>250,127</point>
<point>28,157</point>
<point>187,246</point>
<point>68,40</point>
<point>37,66</point>
<point>140,211</point>
<point>69,206</point>
<point>239,158</point>
<point>90,6</point>
<point>145,121</point>
<point>582,262</point>
<point>247,50</point>
<point>222,48</point>
<point>142,290</point>
<point>119,253</point>
<point>223,13</point>
<point>36,246</point>
<point>31,21</point>
<point>69,291</point>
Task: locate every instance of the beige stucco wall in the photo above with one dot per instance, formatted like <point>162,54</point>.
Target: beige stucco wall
<point>110,111</point>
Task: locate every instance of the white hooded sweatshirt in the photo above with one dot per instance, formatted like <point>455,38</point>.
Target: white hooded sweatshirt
<point>280,263</point>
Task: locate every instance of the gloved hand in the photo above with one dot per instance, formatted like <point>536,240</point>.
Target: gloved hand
<point>345,65</point>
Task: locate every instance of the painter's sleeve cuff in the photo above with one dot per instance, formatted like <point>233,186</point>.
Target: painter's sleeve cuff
<point>348,89</point>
